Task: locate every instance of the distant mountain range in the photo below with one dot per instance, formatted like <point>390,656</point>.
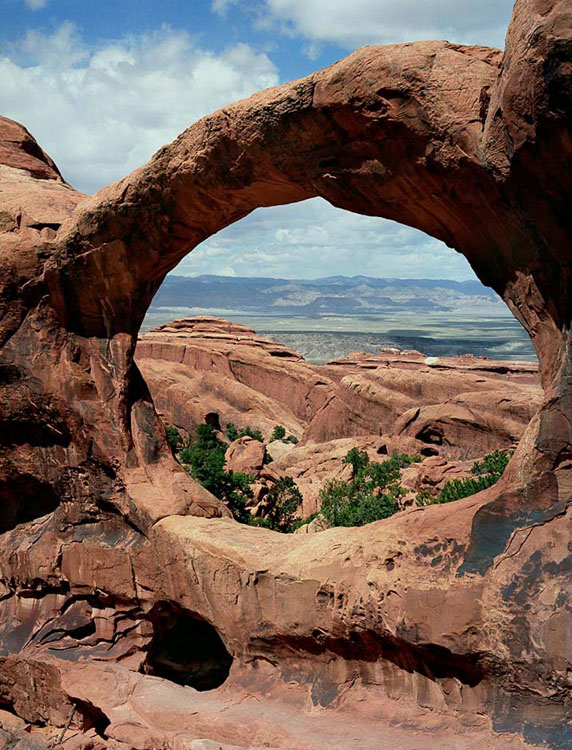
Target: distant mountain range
<point>327,318</point>
<point>335,294</point>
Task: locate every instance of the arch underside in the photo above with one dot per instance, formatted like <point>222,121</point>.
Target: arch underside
<point>470,146</point>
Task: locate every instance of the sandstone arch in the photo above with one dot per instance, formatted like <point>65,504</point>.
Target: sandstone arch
<point>470,146</point>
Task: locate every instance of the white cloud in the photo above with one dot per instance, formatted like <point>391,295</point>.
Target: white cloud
<point>314,239</point>
<point>36,4</point>
<point>48,51</point>
<point>221,6</point>
<point>102,112</point>
<point>353,24</point>
<point>227,271</point>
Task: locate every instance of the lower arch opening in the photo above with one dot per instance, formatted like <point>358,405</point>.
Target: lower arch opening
<point>23,499</point>
<point>186,649</point>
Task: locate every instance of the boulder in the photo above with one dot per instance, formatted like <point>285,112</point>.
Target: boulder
<point>245,455</point>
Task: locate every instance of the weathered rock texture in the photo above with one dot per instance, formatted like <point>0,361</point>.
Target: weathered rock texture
<point>465,609</point>
<point>461,407</point>
<point>454,408</point>
<point>202,366</point>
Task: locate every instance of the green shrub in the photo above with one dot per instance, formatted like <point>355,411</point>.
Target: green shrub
<point>248,432</point>
<point>358,460</point>
<point>233,433</point>
<point>388,471</point>
<point>234,489</point>
<point>174,437</point>
<point>204,459</point>
<point>279,432</point>
<point>291,439</point>
<point>205,454</point>
<point>424,497</point>
<point>283,500</point>
<point>486,472</point>
<point>345,504</point>
<point>375,489</point>
<point>493,463</point>
<point>456,489</point>
<point>372,494</point>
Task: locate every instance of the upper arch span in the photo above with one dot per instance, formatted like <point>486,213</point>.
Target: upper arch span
<point>462,142</point>
<point>388,131</point>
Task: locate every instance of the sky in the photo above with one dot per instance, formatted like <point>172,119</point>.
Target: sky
<point>102,85</point>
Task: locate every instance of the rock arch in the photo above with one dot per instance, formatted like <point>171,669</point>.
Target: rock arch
<point>459,142</point>
<point>467,144</point>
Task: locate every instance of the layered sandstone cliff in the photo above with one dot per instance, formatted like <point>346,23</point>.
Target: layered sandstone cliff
<point>460,407</point>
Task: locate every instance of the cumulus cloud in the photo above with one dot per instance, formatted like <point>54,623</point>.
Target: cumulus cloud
<point>36,4</point>
<point>314,239</point>
<point>221,6</point>
<point>353,24</point>
<point>102,112</point>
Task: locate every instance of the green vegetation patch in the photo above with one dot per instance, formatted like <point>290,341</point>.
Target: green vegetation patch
<point>371,495</point>
<point>284,499</point>
<point>233,433</point>
<point>203,457</point>
<point>486,472</point>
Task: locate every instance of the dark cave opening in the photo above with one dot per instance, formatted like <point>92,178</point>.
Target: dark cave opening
<point>431,434</point>
<point>186,649</point>
<point>91,717</point>
<point>23,499</point>
<point>213,419</point>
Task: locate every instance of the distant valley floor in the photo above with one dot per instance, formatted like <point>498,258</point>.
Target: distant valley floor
<point>321,338</point>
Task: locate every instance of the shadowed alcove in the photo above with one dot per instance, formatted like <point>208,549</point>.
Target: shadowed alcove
<point>186,649</point>
<point>24,499</point>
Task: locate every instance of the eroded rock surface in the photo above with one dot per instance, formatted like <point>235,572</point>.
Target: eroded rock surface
<point>455,408</point>
<point>461,407</point>
<point>207,365</point>
<point>463,611</point>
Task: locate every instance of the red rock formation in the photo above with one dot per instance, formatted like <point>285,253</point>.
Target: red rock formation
<point>245,455</point>
<point>203,365</point>
<point>461,407</point>
<point>457,407</point>
<point>465,610</point>
<point>465,406</point>
<point>19,150</point>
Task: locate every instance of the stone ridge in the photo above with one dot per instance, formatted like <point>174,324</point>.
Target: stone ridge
<point>459,407</point>
<point>20,150</point>
<point>526,372</point>
<point>217,329</point>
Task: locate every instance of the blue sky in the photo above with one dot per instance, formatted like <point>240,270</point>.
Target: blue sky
<point>102,85</point>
